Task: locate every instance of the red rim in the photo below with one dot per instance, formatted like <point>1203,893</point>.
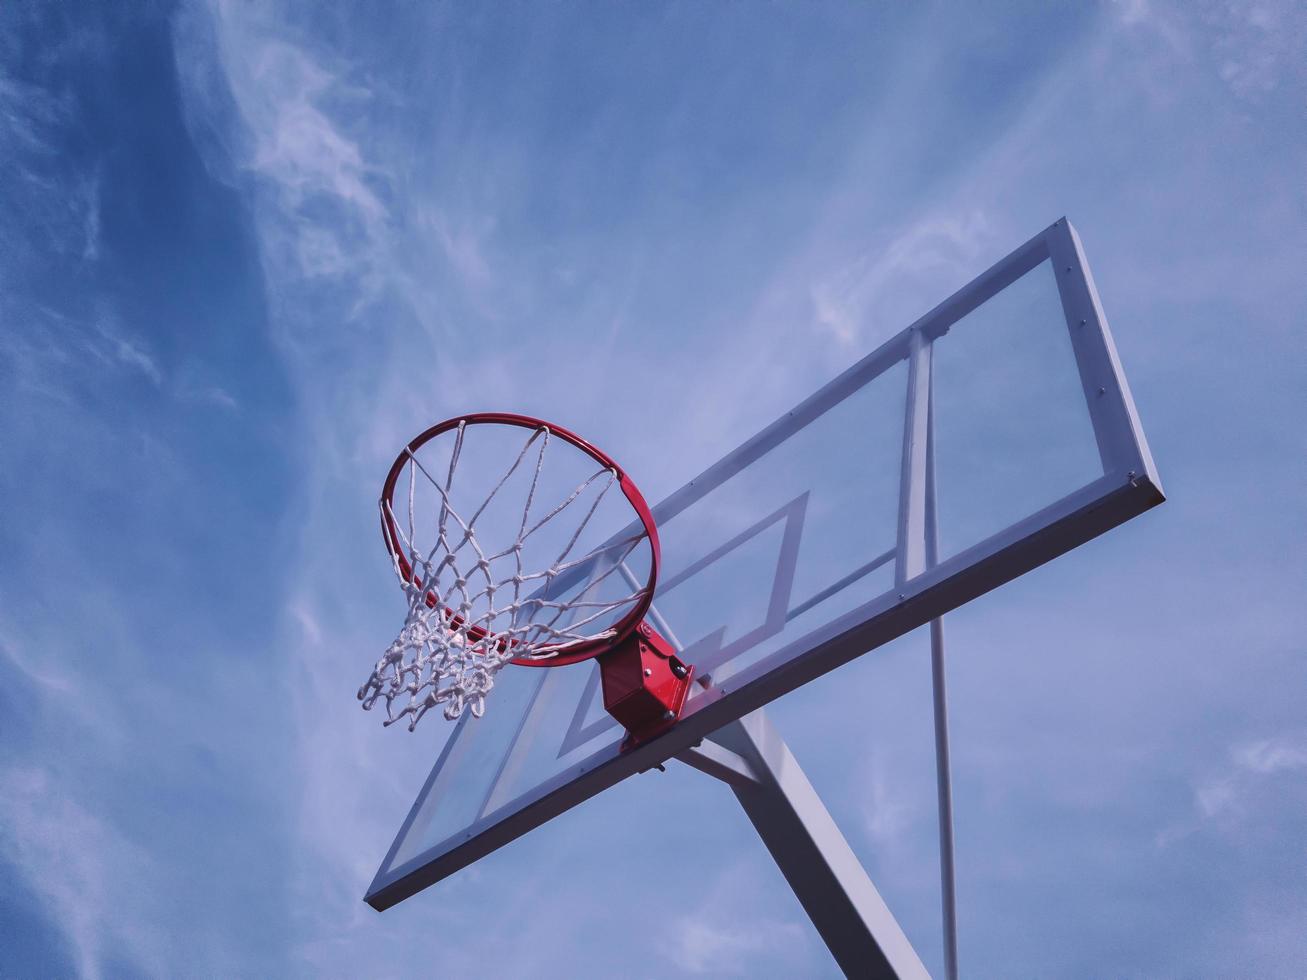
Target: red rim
<point>582,651</point>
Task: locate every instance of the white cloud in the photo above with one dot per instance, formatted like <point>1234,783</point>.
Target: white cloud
<point>888,810</point>
<point>1272,755</point>
<point>303,154</point>
<point>1215,795</point>
<point>27,112</point>
<point>308,622</point>
<point>1225,792</point>
<point>54,208</point>
<point>220,397</point>
<point>720,943</point>
<point>885,288</point>
<point>1252,48</point>
<point>48,676</point>
<point>91,878</point>
<point>463,244</point>
<point>91,218</point>
<point>295,143</point>
<point>1132,11</point>
<point>320,254</point>
<point>728,935</point>
<point>127,351</point>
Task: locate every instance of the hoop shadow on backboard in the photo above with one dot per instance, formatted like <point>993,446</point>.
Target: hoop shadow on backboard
<point>807,546</point>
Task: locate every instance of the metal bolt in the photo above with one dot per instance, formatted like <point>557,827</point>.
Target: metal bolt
<point>1101,392</point>
<point>648,672</point>
<point>901,597</point>
<point>1082,323</point>
<point>1068,268</point>
<point>669,715</point>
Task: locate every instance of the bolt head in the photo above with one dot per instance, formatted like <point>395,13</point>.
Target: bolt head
<point>669,715</point>
<point>648,672</point>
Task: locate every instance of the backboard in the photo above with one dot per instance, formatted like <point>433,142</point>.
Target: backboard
<point>992,435</point>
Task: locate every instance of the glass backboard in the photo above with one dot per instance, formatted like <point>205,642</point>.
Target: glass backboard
<point>992,435</point>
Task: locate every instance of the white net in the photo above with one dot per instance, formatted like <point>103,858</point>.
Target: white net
<point>474,600</point>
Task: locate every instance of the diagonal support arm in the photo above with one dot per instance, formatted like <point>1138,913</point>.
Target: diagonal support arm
<point>751,757</point>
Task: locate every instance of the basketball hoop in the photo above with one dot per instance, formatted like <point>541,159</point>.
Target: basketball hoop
<point>491,580</point>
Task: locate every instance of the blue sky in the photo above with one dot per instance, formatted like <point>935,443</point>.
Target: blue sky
<point>247,252</point>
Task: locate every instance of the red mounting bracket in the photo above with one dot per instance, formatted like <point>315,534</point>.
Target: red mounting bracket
<point>645,684</point>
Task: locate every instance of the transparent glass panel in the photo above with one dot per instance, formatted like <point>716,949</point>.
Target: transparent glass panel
<point>792,541</point>
<point>540,724</point>
<point>456,800</point>
<point>1012,429</point>
<point>801,536</point>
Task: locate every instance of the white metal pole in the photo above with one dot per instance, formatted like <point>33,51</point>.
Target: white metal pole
<point>830,883</point>
<point>948,892</point>
<point>943,772</point>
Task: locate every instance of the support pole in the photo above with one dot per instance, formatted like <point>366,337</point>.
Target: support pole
<point>943,779</point>
<point>939,691</point>
<point>809,849</point>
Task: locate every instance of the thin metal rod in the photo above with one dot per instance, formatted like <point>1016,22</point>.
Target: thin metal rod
<point>943,777</point>
<point>939,691</point>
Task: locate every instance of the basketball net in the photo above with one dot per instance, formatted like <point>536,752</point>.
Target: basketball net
<point>465,621</point>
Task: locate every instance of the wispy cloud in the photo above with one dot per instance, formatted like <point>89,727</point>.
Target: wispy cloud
<point>200,393</point>
<point>27,113</point>
<point>722,944</point>
<point>1252,48</point>
<point>1272,755</point>
<point>116,346</point>
<point>296,145</point>
<point>1227,795</point>
<point>463,245</point>
<point>60,356</point>
<point>888,810</point>
<point>327,217</point>
<point>1251,764</point>
<point>49,201</point>
<point>879,290</point>
<point>725,936</point>
<point>89,876</point>
<point>91,218</point>
<point>46,675</point>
